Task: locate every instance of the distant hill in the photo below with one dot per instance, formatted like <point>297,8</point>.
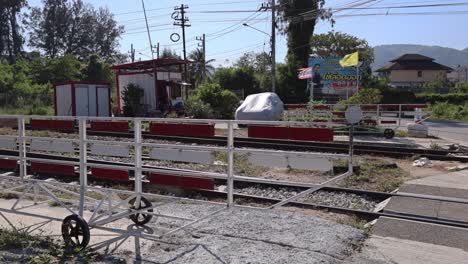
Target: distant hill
<point>446,56</point>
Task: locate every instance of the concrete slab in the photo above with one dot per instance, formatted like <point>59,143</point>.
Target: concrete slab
<point>454,180</point>
<point>422,232</point>
<point>231,236</point>
<point>434,190</point>
<point>386,250</point>
<point>428,208</point>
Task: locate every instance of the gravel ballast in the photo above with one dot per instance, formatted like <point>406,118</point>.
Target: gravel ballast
<point>337,199</point>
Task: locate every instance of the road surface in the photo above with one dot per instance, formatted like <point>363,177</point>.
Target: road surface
<point>456,132</point>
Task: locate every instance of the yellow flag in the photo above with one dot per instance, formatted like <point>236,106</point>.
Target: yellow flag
<point>350,60</point>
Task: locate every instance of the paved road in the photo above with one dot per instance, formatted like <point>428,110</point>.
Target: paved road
<point>456,132</point>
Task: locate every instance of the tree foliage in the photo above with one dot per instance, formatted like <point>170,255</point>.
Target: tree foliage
<point>11,39</point>
<point>297,20</point>
<point>365,96</point>
<point>199,68</point>
<point>223,103</point>
<point>73,27</point>
<point>131,97</point>
<point>97,70</point>
<point>337,45</point>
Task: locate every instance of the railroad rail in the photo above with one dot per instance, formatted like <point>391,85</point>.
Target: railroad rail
<point>24,152</point>
<point>296,145</point>
<point>365,214</point>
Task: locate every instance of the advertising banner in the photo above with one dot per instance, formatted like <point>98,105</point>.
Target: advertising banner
<point>328,76</point>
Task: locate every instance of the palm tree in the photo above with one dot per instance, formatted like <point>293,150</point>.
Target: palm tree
<point>200,70</point>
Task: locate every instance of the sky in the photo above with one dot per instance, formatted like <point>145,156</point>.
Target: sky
<point>227,39</point>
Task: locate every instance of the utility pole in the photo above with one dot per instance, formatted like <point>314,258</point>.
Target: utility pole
<point>202,45</point>
<point>132,53</point>
<point>157,50</point>
<point>273,46</point>
<point>147,29</point>
<point>182,22</point>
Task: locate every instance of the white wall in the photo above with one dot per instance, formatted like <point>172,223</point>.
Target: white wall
<point>145,81</point>
<point>64,100</point>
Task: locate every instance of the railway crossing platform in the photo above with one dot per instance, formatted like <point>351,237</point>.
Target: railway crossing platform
<point>429,243</point>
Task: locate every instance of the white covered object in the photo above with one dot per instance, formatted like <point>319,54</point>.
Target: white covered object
<point>417,130</point>
<point>262,106</point>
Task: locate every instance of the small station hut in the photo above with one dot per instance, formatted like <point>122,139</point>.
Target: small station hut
<point>160,79</point>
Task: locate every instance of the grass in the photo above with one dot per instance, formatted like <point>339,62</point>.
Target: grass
<point>40,250</point>
<point>376,175</point>
<point>27,110</point>
<point>242,166</point>
<point>435,146</point>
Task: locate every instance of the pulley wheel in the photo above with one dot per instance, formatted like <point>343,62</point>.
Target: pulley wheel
<point>140,218</point>
<point>75,231</point>
<point>389,133</point>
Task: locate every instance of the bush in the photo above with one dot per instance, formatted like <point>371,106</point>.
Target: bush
<point>450,111</point>
<point>223,102</point>
<point>397,96</point>
<point>365,96</point>
<point>198,109</point>
<point>131,97</point>
<point>451,98</point>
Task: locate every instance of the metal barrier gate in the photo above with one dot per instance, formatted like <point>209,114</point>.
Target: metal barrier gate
<point>93,206</point>
<point>373,114</point>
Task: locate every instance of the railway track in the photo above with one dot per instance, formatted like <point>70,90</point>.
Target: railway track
<point>261,201</point>
<point>292,145</point>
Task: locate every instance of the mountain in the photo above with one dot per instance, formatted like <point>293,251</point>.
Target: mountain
<point>446,56</point>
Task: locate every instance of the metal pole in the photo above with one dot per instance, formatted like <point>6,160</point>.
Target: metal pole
<point>157,51</point>
<point>137,138</point>
<point>351,147</point>
<point>399,115</point>
<point>83,169</point>
<point>273,46</point>
<point>22,147</point>
<point>204,59</point>
<point>230,172</point>
<point>147,29</point>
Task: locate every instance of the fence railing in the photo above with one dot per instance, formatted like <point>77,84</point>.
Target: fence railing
<point>56,152</point>
<point>374,114</point>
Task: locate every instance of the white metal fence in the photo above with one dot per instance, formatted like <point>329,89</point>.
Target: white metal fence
<point>137,202</point>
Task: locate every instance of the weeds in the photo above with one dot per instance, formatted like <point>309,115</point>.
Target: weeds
<point>42,249</point>
<point>376,175</point>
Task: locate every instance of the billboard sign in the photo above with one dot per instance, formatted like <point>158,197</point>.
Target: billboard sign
<point>331,78</point>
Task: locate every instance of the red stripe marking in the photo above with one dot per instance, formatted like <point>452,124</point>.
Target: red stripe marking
<point>191,130</point>
<point>50,168</point>
<point>8,164</point>
<point>181,182</point>
<point>109,126</point>
<point>110,174</point>
<point>388,122</point>
<point>60,125</point>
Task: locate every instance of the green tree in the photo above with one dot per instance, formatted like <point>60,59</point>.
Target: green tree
<point>97,70</point>
<point>63,27</point>
<point>131,97</point>
<point>199,68</point>
<point>11,40</point>
<point>61,69</point>
<point>223,102</point>
<point>297,20</point>
<point>239,80</point>
<point>365,96</point>
<point>338,44</point>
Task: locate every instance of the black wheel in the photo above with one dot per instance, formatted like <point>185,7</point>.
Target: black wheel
<point>389,133</point>
<point>140,218</point>
<point>75,231</point>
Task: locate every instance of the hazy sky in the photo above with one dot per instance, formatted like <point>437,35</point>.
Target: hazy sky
<point>446,30</point>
